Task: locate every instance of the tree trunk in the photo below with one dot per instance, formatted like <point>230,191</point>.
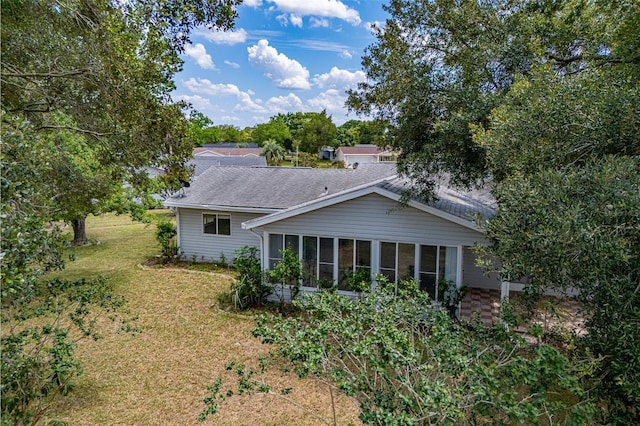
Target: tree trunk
<point>79,232</point>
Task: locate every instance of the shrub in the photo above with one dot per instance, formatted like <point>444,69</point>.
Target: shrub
<point>248,290</point>
<point>287,272</point>
<point>359,280</point>
<point>166,235</point>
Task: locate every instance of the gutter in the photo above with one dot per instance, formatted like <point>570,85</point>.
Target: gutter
<point>221,207</point>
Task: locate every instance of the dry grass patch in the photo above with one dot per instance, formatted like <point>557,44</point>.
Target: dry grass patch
<point>160,375</point>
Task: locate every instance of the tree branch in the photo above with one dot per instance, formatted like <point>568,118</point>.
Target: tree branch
<point>60,74</point>
<point>96,135</point>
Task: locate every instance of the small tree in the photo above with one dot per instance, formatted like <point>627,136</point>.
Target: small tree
<point>166,233</point>
<point>306,159</point>
<point>273,152</point>
<point>286,273</point>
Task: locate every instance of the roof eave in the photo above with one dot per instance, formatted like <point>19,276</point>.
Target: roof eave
<point>221,207</point>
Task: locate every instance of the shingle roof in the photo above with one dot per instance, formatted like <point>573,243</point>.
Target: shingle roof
<point>227,151</point>
<point>231,145</point>
<point>279,188</point>
<point>273,187</point>
<point>203,162</point>
<point>465,204</point>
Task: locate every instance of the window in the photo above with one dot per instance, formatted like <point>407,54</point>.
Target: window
<point>437,263</point>
<point>309,261</point>
<point>217,224</point>
<point>352,255</point>
<point>397,260</point>
<point>277,243</point>
<point>325,261</point>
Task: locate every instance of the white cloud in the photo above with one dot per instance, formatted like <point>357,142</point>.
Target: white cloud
<point>319,23</point>
<point>284,21</point>
<point>324,8</point>
<point>286,73</point>
<point>247,104</point>
<point>198,102</point>
<point>322,45</point>
<point>257,119</point>
<point>346,54</point>
<point>229,118</point>
<point>331,100</point>
<point>232,64</point>
<point>288,103</point>
<point>296,20</point>
<point>339,79</point>
<point>198,53</point>
<point>222,37</point>
<point>252,3</point>
<point>204,86</point>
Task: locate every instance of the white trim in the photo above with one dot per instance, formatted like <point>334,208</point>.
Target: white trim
<point>217,215</point>
<point>213,207</point>
<point>351,194</point>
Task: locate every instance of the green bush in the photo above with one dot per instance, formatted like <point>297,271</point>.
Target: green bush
<point>166,235</point>
<point>359,280</point>
<point>287,272</point>
<point>248,290</point>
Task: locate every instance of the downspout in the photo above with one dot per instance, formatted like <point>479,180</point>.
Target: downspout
<point>261,238</point>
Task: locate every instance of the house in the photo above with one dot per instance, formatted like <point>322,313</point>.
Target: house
<point>201,163</point>
<point>224,151</point>
<point>362,154</point>
<point>327,153</point>
<point>336,220</point>
<point>231,145</point>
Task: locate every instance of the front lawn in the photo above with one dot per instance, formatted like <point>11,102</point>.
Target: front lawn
<point>160,375</point>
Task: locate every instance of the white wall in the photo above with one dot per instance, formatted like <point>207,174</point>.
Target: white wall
<point>374,217</point>
<point>194,242</point>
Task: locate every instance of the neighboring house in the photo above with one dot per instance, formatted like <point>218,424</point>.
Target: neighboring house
<point>337,221</point>
<point>218,151</point>
<point>327,153</point>
<point>202,163</point>
<point>363,154</point>
<point>231,145</point>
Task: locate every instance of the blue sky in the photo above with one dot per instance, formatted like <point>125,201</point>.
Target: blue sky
<point>282,56</point>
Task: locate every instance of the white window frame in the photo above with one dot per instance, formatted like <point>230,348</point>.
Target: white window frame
<point>217,219</point>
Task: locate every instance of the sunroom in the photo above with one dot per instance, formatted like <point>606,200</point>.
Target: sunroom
<point>327,261</point>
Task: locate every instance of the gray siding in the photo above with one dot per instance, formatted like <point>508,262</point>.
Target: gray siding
<point>377,218</point>
<point>195,243</point>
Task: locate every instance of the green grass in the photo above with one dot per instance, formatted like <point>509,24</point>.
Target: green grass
<point>159,376</point>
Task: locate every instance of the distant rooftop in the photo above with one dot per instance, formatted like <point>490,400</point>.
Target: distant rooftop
<point>204,162</point>
<point>231,145</point>
<point>213,151</point>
